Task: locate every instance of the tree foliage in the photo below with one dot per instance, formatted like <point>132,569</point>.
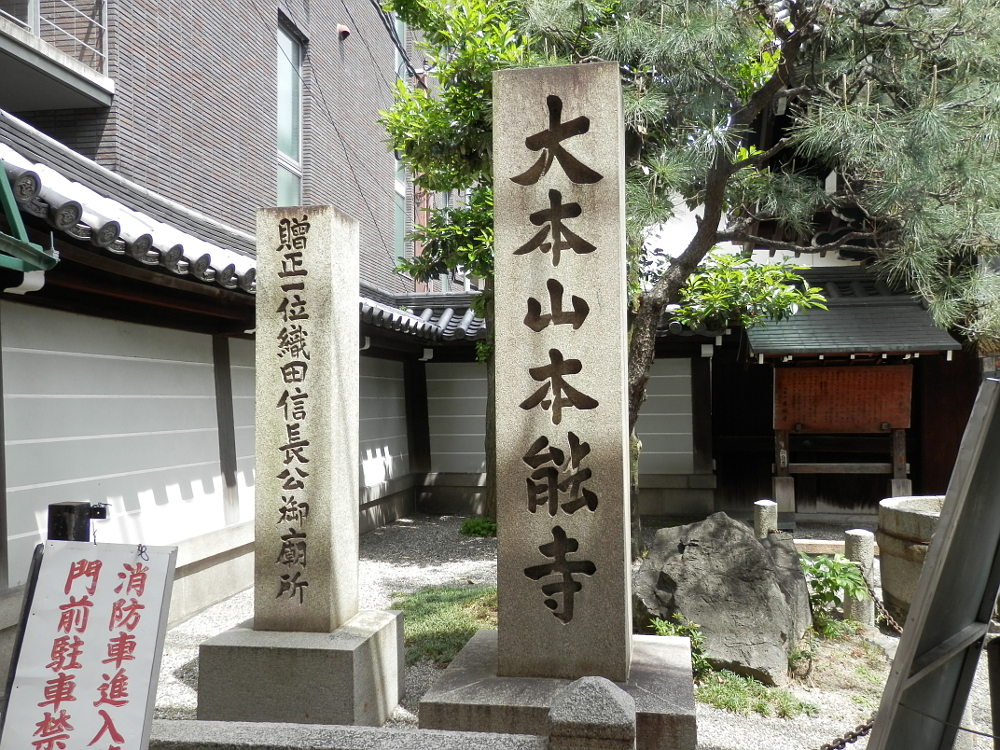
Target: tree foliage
<point>766,118</point>
<point>742,110</point>
<point>444,132</point>
<point>729,290</point>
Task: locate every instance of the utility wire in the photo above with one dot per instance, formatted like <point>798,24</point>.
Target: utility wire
<point>364,41</point>
<point>347,155</point>
<point>350,164</point>
<point>390,27</point>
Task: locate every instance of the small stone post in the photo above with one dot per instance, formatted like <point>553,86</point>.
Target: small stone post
<point>592,713</point>
<point>765,518</point>
<point>859,546</point>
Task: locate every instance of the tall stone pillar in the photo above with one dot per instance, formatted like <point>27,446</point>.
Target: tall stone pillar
<point>563,563</point>
<point>306,467</point>
<point>324,661</point>
<point>562,440</point>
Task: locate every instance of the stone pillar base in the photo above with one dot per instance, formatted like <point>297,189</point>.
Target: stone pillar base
<point>469,696</point>
<point>353,675</point>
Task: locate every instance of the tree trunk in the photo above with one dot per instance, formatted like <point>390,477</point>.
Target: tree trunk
<point>642,341</point>
<point>633,473</point>
<point>490,490</point>
<point>642,336</point>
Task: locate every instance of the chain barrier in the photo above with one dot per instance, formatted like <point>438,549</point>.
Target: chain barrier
<point>878,603</point>
<point>863,730</point>
<point>849,738</point>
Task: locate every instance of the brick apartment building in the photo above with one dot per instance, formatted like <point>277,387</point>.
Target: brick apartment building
<point>139,139</point>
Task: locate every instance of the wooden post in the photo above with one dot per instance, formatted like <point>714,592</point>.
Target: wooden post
<point>902,486</point>
<point>781,457</point>
<point>784,483</point>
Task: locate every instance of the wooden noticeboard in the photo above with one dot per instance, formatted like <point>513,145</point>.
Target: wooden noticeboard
<point>842,399</point>
<point>88,655</point>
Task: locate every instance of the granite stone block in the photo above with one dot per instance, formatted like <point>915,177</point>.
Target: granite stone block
<point>239,735</point>
<point>353,675</point>
<point>471,696</point>
<point>592,713</point>
<point>561,438</point>
<point>307,375</point>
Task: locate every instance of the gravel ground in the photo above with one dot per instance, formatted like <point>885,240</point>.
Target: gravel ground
<point>428,550</point>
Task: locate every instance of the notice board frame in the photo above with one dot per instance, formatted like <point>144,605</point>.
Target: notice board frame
<point>40,602</point>
<point>851,399</point>
<point>930,678</point>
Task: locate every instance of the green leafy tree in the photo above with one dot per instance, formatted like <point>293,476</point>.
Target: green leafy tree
<point>728,289</point>
<point>741,111</point>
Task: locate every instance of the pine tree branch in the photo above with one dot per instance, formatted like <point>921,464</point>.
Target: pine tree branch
<point>728,88</point>
<point>841,243</point>
<point>782,76</point>
<point>797,91</point>
<point>775,26</point>
<point>762,157</point>
<point>871,18</point>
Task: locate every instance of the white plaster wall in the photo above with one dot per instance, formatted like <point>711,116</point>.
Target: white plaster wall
<point>107,412</point>
<point>241,367</point>
<point>664,425</point>
<point>456,406</point>
<point>383,448</point>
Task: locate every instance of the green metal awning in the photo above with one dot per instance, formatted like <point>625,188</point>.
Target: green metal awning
<point>16,251</point>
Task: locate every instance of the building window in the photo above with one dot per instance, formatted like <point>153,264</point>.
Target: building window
<point>289,119</point>
<point>400,194</point>
<point>400,197</point>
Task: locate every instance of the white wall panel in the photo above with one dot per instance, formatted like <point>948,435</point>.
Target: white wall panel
<point>384,451</point>
<point>456,405</point>
<point>106,412</point>
<point>241,367</point>
<point>664,425</point>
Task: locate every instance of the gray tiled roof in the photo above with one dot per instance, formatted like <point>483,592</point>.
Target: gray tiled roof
<point>92,210</point>
<point>392,318</point>
<point>39,148</point>
<point>83,200</point>
<point>864,316</point>
<point>451,314</point>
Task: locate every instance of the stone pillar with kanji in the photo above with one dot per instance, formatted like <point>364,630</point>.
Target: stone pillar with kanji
<point>562,438</point>
<point>563,565</point>
<point>325,661</point>
<point>306,469</point>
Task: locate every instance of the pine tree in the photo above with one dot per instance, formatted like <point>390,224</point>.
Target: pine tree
<point>744,110</point>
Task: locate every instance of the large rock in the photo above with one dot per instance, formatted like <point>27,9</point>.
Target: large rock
<point>750,598</point>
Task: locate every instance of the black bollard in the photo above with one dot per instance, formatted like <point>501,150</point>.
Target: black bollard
<point>69,522</point>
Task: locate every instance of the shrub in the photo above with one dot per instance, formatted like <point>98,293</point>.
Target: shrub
<point>479,526</point>
<point>830,580</point>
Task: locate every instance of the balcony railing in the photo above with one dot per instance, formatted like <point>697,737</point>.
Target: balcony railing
<point>77,27</point>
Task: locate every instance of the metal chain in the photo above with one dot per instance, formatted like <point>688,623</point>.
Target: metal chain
<point>878,603</point>
<point>862,730</point>
<point>848,738</point>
